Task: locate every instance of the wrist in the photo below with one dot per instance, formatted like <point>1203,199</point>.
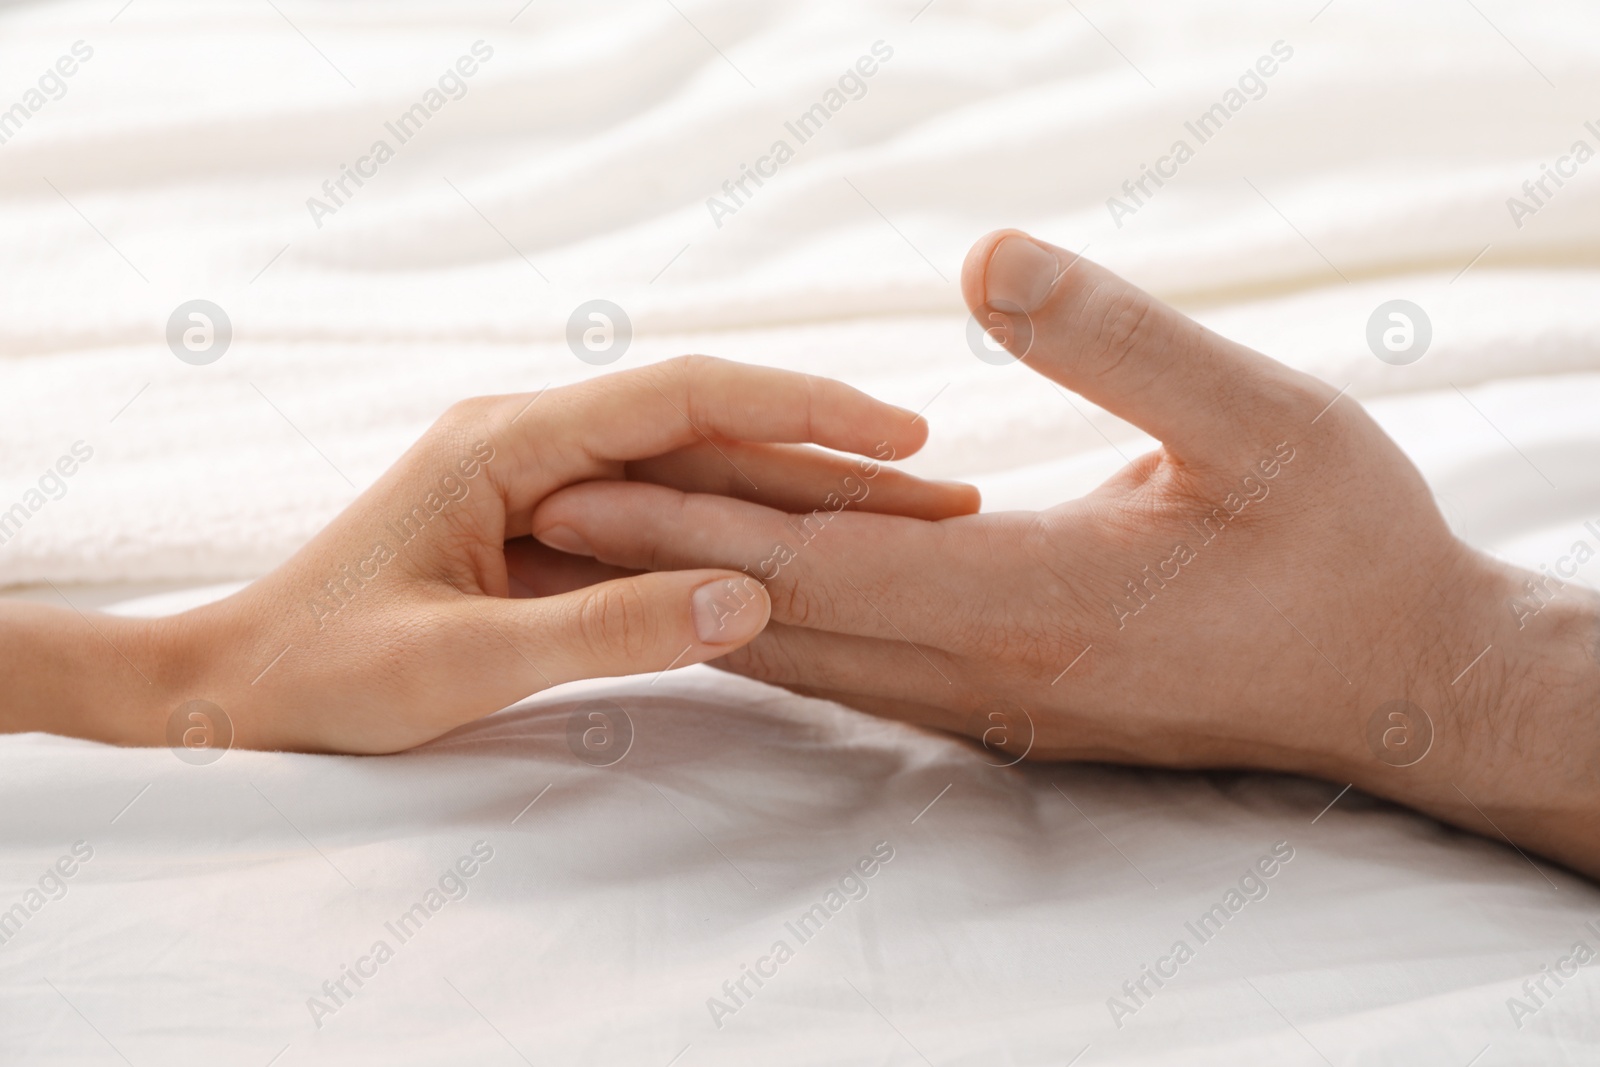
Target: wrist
<point>1536,747</point>
<point>89,675</point>
<point>1508,685</point>
<point>199,683</point>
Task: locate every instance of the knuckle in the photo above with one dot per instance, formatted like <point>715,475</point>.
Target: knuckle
<point>462,422</point>
<point>1021,649</point>
<point>678,379</point>
<point>1333,432</point>
<point>1304,391</point>
<point>616,618</point>
<point>468,411</point>
<point>794,605</point>
<point>694,364</point>
<point>766,658</point>
<point>1117,320</point>
<point>1302,400</point>
<point>687,370</point>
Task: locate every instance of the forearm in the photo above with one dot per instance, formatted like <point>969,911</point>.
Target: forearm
<point>1539,745</point>
<point>91,676</point>
<point>1513,706</point>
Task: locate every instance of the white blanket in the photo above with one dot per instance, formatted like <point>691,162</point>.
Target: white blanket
<point>215,901</point>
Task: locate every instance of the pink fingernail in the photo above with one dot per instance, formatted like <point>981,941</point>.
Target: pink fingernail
<point>729,611</point>
<point>1020,275</point>
<point>565,539</point>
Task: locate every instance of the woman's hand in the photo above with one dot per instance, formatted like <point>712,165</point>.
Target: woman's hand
<point>1273,588</point>
<point>425,605</point>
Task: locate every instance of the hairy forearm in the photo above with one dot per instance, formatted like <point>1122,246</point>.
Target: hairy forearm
<point>1539,745</point>
<point>83,675</point>
<point>1512,705</point>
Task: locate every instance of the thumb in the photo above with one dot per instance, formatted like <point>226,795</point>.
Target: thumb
<point>1116,345</point>
<point>640,624</point>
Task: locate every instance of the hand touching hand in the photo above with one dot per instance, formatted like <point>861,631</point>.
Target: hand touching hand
<point>1270,588</point>
<point>425,605</point>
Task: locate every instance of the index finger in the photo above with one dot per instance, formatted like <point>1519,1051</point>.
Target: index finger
<point>831,569</point>
<point>665,406</point>
<point>590,430</point>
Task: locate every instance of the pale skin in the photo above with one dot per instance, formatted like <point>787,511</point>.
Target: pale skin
<point>1300,579</point>
<point>345,648</point>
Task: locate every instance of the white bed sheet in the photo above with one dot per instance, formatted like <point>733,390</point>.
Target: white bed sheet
<point>218,899</point>
<point>1017,901</point>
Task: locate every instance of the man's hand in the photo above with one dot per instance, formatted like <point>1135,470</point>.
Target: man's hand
<point>1273,588</point>
<point>425,605</point>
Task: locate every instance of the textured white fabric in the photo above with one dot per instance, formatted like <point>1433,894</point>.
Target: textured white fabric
<point>591,142</point>
<point>218,899</point>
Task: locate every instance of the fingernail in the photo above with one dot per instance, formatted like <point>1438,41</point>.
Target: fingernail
<point>565,539</point>
<point>1020,275</point>
<point>729,610</point>
<point>969,492</point>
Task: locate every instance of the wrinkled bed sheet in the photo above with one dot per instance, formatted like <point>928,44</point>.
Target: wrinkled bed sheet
<point>502,901</point>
